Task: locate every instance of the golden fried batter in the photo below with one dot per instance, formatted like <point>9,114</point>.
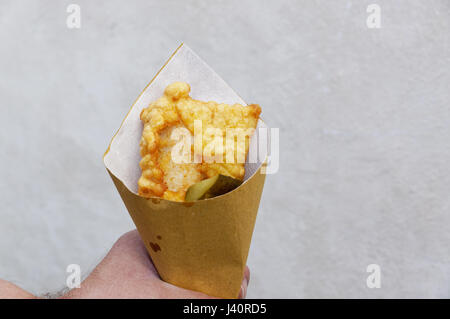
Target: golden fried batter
<point>161,176</point>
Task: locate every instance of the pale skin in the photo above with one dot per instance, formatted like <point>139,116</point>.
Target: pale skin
<point>125,272</point>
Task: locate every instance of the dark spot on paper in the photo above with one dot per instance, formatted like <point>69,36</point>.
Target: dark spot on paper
<point>159,237</point>
<point>188,204</point>
<point>155,247</point>
<point>156,200</point>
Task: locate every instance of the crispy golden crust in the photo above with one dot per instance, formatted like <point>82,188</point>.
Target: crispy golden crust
<point>161,177</point>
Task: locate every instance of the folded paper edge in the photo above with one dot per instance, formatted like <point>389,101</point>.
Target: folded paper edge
<point>137,99</point>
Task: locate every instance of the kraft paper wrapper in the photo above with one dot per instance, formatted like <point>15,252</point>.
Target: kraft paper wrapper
<point>203,245</point>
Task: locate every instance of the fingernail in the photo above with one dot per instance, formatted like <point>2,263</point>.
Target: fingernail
<point>241,292</point>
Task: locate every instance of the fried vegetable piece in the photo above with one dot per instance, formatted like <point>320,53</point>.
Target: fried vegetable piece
<point>161,176</point>
<point>211,187</point>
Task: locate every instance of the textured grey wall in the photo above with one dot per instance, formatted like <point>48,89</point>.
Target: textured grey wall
<point>363,114</point>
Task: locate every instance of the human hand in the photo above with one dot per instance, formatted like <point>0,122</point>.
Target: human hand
<point>128,272</point>
<point>11,291</point>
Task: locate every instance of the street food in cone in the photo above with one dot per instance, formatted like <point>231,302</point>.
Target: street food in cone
<point>195,194</point>
<point>186,141</point>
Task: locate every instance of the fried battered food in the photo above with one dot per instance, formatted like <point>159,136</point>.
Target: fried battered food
<point>161,176</point>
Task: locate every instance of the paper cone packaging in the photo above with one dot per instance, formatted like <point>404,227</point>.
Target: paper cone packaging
<point>201,245</point>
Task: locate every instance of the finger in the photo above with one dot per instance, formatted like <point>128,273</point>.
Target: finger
<point>247,274</point>
<point>244,285</point>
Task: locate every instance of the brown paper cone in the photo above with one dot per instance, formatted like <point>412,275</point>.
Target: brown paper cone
<point>203,245</point>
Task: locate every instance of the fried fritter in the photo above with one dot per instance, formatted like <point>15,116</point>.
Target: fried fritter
<point>161,176</point>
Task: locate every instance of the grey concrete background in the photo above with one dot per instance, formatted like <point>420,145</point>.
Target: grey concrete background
<point>363,114</point>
